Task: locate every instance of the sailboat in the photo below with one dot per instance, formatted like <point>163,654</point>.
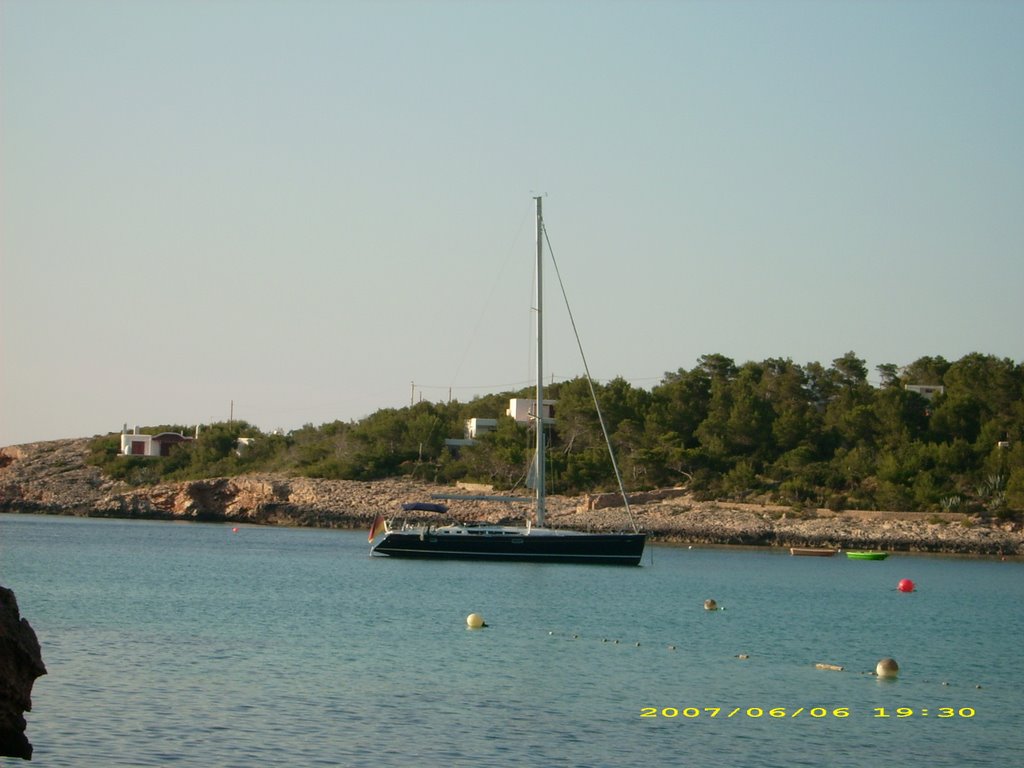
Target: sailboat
<point>529,543</point>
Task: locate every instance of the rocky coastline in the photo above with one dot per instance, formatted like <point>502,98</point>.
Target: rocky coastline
<point>53,478</point>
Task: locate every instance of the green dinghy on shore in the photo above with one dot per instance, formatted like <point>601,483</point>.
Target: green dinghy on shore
<point>867,555</point>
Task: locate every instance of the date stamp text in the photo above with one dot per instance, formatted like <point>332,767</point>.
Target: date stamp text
<point>817,713</point>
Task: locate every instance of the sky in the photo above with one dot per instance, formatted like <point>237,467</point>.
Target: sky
<point>297,212</point>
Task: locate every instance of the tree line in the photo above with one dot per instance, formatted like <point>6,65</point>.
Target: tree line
<point>773,431</point>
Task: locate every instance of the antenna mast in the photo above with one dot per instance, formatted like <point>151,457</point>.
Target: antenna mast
<point>539,406</point>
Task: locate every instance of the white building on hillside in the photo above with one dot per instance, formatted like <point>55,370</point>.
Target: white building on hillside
<point>927,391</point>
<point>477,427</point>
<point>523,410</point>
<point>135,444</point>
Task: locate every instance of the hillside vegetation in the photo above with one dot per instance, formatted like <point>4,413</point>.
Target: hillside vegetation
<point>768,431</point>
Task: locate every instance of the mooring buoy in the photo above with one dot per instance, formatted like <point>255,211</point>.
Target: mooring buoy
<point>887,668</point>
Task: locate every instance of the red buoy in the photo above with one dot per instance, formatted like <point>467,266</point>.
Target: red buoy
<point>905,585</point>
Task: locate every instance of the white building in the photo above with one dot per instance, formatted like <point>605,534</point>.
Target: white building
<point>477,427</point>
<point>523,410</point>
<point>927,391</point>
<point>135,444</point>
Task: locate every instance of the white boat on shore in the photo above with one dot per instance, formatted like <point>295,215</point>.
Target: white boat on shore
<point>812,552</point>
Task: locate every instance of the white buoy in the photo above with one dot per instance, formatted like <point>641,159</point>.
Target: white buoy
<point>475,621</point>
<point>887,668</point>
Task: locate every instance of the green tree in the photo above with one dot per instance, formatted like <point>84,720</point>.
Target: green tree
<point>749,427</point>
<point>900,416</point>
<point>927,371</point>
<point>794,421</point>
<point>1015,490</point>
<point>889,373</point>
<point>501,457</point>
<point>849,413</point>
<point>678,406</point>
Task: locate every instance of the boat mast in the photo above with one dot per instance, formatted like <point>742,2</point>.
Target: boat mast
<point>539,406</point>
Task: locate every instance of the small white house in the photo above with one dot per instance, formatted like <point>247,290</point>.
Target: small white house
<point>523,410</point>
<point>477,427</point>
<point>927,391</point>
<point>135,444</point>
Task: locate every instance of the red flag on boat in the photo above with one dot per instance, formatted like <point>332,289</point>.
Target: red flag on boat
<point>376,527</point>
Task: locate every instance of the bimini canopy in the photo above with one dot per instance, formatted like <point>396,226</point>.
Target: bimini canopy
<point>423,506</point>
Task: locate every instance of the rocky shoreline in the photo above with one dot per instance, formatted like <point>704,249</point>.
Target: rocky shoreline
<point>53,478</point>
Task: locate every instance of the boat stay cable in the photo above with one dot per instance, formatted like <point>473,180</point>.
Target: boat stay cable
<point>590,383</point>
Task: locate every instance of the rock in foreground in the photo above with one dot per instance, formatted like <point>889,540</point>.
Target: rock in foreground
<point>21,662</point>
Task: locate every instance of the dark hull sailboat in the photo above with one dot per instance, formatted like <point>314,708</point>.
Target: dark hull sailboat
<point>514,544</point>
<point>502,543</point>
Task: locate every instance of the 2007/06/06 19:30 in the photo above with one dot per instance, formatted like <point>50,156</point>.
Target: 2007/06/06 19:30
<point>691,713</point>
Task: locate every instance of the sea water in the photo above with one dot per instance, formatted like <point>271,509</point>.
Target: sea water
<point>198,645</point>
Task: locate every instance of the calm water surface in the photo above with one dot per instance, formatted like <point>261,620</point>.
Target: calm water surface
<point>191,645</point>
